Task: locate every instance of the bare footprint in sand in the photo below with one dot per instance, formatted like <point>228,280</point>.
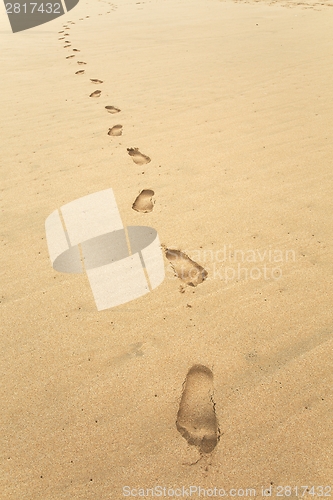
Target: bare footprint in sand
<point>196,418</point>
<point>76,50</point>
<point>80,72</point>
<point>94,80</point>
<point>97,93</point>
<point>61,38</point>
<point>137,157</point>
<point>144,202</point>
<point>185,268</point>
<point>69,57</point>
<point>81,62</point>
<point>116,130</point>
<point>112,109</point>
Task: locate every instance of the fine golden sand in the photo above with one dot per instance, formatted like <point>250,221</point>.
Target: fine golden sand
<point>212,123</point>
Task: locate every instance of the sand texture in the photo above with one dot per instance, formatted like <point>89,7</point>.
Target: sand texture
<point>212,123</point>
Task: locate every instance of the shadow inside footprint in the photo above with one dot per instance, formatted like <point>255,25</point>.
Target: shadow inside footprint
<point>94,80</point>
<point>186,269</point>
<point>116,130</point>
<point>137,157</point>
<point>80,72</point>
<point>81,62</point>
<point>97,93</point>
<point>68,57</point>
<point>112,109</point>
<point>144,202</point>
<point>196,418</point>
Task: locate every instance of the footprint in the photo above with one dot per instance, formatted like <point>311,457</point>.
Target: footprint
<point>66,46</point>
<point>68,57</point>
<point>112,109</point>
<point>76,50</point>
<point>97,93</point>
<point>186,269</point>
<point>93,80</point>
<point>196,418</point>
<point>80,72</point>
<point>137,157</point>
<point>61,38</point>
<point>81,62</point>
<point>116,130</point>
<point>144,202</point>
<point>60,31</point>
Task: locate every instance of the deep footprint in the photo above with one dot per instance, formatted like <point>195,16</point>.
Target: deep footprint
<point>144,202</point>
<point>112,109</point>
<point>186,269</point>
<point>137,157</point>
<point>196,418</point>
<point>76,50</point>
<point>116,130</point>
<point>97,93</point>
<point>94,80</point>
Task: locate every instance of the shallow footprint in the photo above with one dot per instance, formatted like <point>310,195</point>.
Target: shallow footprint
<point>186,269</point>
<point>76,50</point>
<point>80,72</point>
<point>112,109</point>
<point>81,62</point>
<point>97,93</point>
<point>68,57</point>
<point>144,202</point>
<point>137,157</point>
<point>93,80</point>
<point>116,130</point>
<point>196,418</point>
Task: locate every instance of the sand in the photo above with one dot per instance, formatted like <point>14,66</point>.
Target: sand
<point>232,104</point>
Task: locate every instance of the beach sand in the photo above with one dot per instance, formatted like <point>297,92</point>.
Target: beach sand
<point>232,103</point>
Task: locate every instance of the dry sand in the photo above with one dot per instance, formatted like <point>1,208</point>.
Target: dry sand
<point>232,102</point>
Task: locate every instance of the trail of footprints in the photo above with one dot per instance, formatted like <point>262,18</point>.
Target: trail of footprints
<point>196,418</point>
<point>191,273</point>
